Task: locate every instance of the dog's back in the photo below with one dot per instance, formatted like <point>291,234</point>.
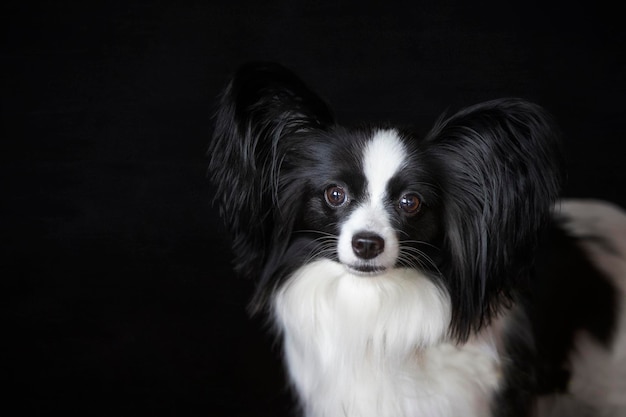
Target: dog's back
<point>580,319</point>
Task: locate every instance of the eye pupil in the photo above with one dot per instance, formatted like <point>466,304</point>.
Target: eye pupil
<point>410,203</point>
<point>335,196</point>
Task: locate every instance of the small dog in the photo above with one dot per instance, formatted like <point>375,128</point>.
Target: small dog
<point>421,276</point>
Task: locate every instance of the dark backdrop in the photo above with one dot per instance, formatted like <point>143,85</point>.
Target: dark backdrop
<point>118,297</point>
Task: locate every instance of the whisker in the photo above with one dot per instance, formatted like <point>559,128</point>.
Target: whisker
<point>411,255</point>
<point>321,246</point>
<point>418,242</point>
<point>321,232</point>
<point>402,231</point>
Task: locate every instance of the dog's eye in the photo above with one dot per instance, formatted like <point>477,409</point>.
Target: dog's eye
<point>410,204</point>
<point>336,196</point>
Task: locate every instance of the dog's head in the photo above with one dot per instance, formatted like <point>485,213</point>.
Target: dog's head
<point>464,204</point>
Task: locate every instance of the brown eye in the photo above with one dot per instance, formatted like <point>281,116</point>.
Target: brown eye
<point>335,196</point>
<point>410,204</point>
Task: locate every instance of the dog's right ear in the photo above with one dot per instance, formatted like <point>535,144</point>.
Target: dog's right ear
<point>264,111</point>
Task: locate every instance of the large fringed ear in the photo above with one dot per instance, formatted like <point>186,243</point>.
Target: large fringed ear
<point>500,174</point>
<point>263,111</point>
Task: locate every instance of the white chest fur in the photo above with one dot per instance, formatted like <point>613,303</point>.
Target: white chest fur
<point>376,346</point>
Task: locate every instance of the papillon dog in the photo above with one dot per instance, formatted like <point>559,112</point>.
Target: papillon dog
<point>408,275</point>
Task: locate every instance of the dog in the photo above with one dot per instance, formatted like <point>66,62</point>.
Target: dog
<point>421,276</point>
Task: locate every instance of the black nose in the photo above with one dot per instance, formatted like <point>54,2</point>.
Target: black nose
<point>367,245</point>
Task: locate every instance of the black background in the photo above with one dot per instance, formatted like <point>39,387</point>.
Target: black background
<point>117,289</point>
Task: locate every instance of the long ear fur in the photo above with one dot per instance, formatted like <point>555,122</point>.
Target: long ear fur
<point>500,169</point>
<point>262,111</point>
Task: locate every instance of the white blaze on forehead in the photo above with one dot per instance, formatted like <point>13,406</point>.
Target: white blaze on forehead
<point>384,155</point>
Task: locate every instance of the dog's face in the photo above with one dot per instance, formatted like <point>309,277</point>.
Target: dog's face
<point>371,203</point>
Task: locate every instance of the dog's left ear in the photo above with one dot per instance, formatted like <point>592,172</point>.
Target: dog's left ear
<point>500,170</point>
<point>264,114</point>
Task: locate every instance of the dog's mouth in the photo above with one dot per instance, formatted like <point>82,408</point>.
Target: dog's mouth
<point>366,270</point>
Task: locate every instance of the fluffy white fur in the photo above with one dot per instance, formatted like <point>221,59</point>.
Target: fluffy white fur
<point>377,346</point>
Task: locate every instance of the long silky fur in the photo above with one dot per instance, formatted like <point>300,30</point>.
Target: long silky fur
<point>500,163</point>
<point>263,112</point>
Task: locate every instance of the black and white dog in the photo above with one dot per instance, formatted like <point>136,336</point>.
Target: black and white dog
<point>421,276</point>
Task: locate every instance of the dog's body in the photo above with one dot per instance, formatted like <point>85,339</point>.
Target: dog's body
<point>408,276</point>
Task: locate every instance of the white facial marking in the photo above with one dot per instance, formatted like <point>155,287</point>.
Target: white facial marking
<point>383,157</point>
